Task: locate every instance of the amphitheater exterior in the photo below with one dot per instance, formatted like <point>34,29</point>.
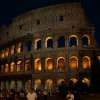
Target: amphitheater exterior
<point>46,46</point>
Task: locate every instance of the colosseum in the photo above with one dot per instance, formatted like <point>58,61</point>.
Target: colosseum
<point>46,46</point>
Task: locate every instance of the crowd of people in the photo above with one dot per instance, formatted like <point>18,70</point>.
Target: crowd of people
<point>70,92</point>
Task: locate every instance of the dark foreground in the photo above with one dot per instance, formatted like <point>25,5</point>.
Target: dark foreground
<point>92,96</point>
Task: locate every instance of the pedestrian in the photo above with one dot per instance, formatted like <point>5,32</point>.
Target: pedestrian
<point>45,94</point>
<point>12,94</point>
<point>70,96</point>
<point>22,94</point>
<point>16,96</point>
<point>31,95</point>
<point>8,95</point>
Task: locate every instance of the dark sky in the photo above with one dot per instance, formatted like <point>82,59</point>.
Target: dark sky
<point>12,8</point>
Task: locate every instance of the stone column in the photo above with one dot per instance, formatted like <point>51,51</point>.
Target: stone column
<point>55,43</point>
<point>54,64</point>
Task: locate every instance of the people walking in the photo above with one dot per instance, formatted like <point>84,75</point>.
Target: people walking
<point>70,96</point>
<point>31,95</point>
<point>45,94</point>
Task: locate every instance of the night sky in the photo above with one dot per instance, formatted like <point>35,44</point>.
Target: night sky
<point>13,8</point>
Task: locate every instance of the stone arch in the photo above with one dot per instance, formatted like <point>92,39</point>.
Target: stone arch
<point>49,42</point>
<point>85,40</point>
<point>73,62</point>
<point>12,67</point>
<point>49,84</point>
<point>37,84</point>
<point>60,63</point>
<point>37,65</point>
<point>38,43</point>
<point>73,40</point>
<point>48,64</point>
<point>86,62</point>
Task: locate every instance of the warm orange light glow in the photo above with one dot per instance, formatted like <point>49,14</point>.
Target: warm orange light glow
<point>19,66</point>
<point>61,62</point>
<point>6,68</point>
<point>48,84</point>
<point>19,48</point>
<point>74,80</point>
<point>98,58</point>
<point>49,64</point>
<point>38,65</point>
<point>85,65</point>
<point>7,52</point>
<point>86,62</point>
<point>73,63</point>
<point>27,65</point>
<point>60,81</point>
<point>3,55</point>
<point>12,67</point>
<point>2,68</point>
<point>37,84</point>
<point>12,50</point>
<point>86,80</point>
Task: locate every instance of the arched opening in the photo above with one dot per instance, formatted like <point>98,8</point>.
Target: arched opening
<point>49,85</point>
<point>27,65</point>
<point>73,41</point>
<point>2,68</point>
<point>12,67</point>
<point>85,41</point>
<point>37,84</point>
<point>86,62</point>
<point>7,85</point>
<point>7,52</point>
<point>37,65</point>
<point>28,85</point>
<point>49,42</point>
<point>38,44</point>
<point>61,42</point>
<point>12,50</point>
<point>12,84</point>
<point>2,86</point>
<point>2,54</point>
<point>19,85</point>
<point>20,66</point>
<point>19,48</point>
<point>49,64</point>
<point>61,63</point>
<point>73,63</point>
<point>98,57</point>
<point>6,67</point>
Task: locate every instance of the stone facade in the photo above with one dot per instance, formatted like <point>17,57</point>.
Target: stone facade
<point>46,46</point>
